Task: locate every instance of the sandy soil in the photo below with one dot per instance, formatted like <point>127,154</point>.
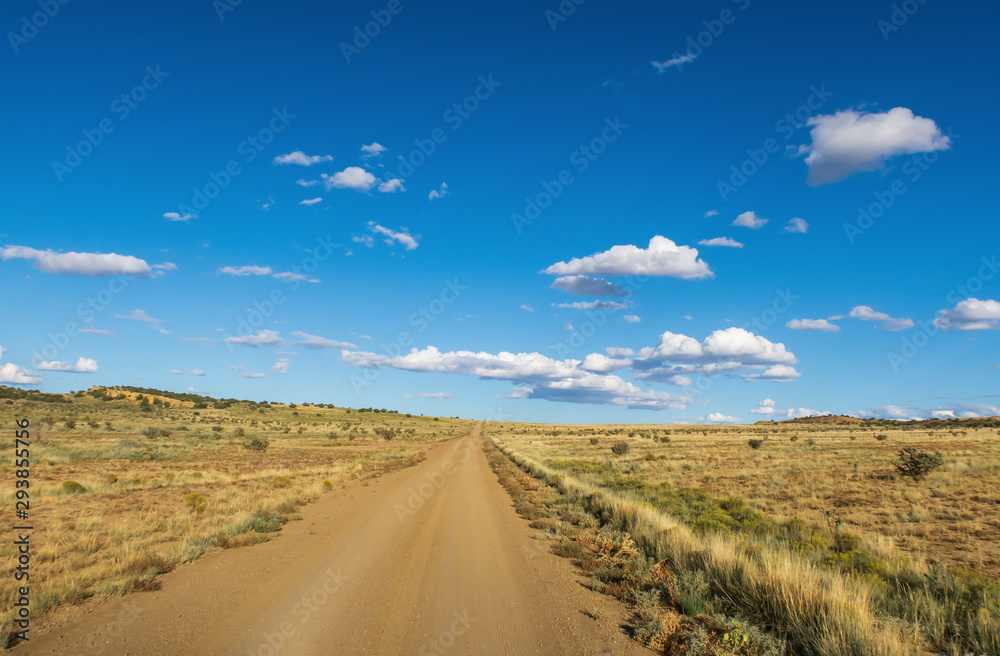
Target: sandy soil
<point>427,560</point>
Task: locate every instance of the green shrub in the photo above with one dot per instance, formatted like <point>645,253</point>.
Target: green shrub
<point>281,481</point>
<point>196,502</point>
<point>755,444</point>
<point>917,464</point>
<point>256,443</point>
<point>111,478</point>
<point>72,487</point>
<point>881,437</point>
<point>621,448</point>
<point>69,423</point>
<point>595,440</point>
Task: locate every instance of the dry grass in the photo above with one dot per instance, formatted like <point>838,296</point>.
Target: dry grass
<point>139,514</point>
<point>790,494</point>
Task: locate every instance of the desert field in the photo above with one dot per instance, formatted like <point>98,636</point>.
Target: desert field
<point>784,533</point>
<point>123,491</point>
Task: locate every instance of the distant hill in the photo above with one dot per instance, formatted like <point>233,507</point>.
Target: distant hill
<point>844,420</point>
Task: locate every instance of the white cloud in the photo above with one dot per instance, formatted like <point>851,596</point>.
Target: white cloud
<point>250,270</point>
<point>587,286</point>
<point>306,183</point>
<point>594,305</point>
<point>300,158</point>
<point>174,216</point>
<point>721,241</point>
<point>970,314</point>
<point>251,374</point>
<point>527,308</point>
<point>309,202</point>
<point>438,193</point>
<point>404,237</point>
<point>632,318</point>
<point>374,149</point>
<point>618,352</point>
<point>710,213</point>
<point>765,407</point>
<point>82,366</point>
<point>353,177</point>
<point>750,220</point>
<point>813,324</point>
<point>280,366</point>
<point>140,315</point>
<point>866,313</point>
<point>850,142</point>
<point>11,374</point>
<point>198,340</point>
<point>80,264</point>
<point>97,331</point>
<point>288,275</point>
<point>238,367</point>
<point>262,338</point>
<point>431,395</point>
<point>196,372</point>
<point>391,186</point>
<point>797,225</point>
<point>545,378</point>
<point>662,258</point>
<point>796,413</point>
<point>719,418</point>
<point>603,364</point>
<point>316,342</point>
<point>729,345</point>
<point>779,373</point>
<point>176,372</point>
<point>683,59</point>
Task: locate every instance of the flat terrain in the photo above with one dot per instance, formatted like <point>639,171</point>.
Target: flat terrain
<point>425,560</point>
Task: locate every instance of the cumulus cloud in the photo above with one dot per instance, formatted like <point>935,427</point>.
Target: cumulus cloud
<point>821,325</point>
<point>721,241</point>
<point>603,364</point>
<point>176,372</point>
<point>79,264</point>
<point>750,220</point>
<point>540,376</point>
<point>431,395</point>
<point>140,315</point>
<point>765,407</point>
<point>404,237</point>
<point>632,318</point>
<point>866,313</point>
<point>306,183</point>
<point>280,366</point>
<point>970,314</point>
<point>391,186</point>
<point>662,258</point>
<point>309,202</point>
<point>374,149</point>
<point>82,366</point>
<point>353,177</point>
<point>719,418</point>
<point>587,286</point>
<point>175,216</point>
<point>710,213</point>
<point>251,270</point>
<point>852,141</point>
<point>300,158</point>
<point>797,226</point>
<point>724,351</point>
<point>11,374</point>
<point>594,305</point>
<point>797,413</point>
<point>316,342</point>
<point>778,373</point>
<point>441,192</point>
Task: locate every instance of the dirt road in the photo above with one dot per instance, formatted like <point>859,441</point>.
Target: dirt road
<point>427,560</point>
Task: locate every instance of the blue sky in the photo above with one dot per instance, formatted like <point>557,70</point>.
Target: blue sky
<point>547,213</point>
